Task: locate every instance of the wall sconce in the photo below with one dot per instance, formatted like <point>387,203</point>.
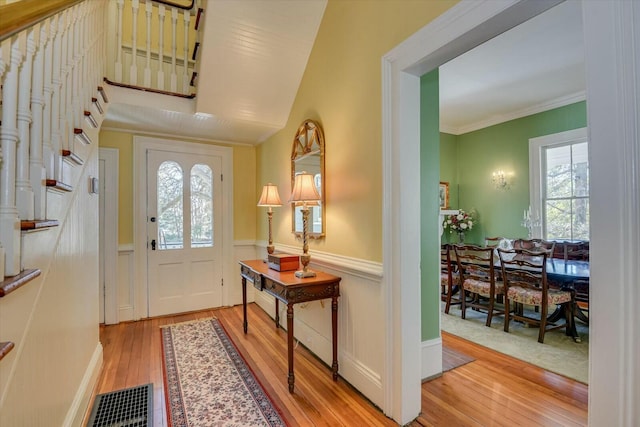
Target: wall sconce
<point>270,198</point>
<point>500,180</point>
<point>304,193</point>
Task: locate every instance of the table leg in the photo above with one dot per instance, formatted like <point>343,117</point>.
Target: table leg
<point>244,304</point>
<point>277,313</point>
<point>290,345</point>
<point>334,335</point>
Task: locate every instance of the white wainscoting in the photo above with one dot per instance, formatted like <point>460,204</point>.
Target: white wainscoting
<point>126,285</point>
<point>360,334</point>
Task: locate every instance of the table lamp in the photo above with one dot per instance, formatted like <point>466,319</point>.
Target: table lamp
<point>304,193</point>
<point>270,198</point>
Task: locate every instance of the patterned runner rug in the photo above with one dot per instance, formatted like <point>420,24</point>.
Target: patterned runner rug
<point>208,382</point>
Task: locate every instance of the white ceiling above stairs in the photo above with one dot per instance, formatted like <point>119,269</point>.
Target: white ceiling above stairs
<point>252,59</point>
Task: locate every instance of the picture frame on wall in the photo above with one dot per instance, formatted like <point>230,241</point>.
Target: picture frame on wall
<point>444,195</point>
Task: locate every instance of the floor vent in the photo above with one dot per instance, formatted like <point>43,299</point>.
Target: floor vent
<point>131,407</point>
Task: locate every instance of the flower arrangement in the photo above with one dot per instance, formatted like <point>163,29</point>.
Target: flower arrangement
<point>460,222</point>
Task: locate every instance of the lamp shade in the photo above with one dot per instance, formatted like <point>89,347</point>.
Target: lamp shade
<point>270,196</point>
<point>304,190</point>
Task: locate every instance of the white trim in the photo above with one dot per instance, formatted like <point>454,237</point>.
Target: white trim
<point>612,37</point>
<point>163,135</point>
<point>125,247</point>
<point>535,159</point>
<point>110,180</point>
<point>431,355</point>
<point>141,144</point>
<point>82,398</point>
<point>463,27</point>
<point>512,115</point>
<point>369,270</point>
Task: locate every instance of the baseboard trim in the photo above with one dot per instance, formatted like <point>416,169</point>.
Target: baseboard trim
<point>431,357</point>
<point>80,405</point>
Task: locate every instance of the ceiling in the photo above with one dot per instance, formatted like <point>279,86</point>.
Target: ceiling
<point>254,54</point>
<point>534,67</point>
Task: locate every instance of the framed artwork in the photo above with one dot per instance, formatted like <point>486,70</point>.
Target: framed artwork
<point>444,195</point>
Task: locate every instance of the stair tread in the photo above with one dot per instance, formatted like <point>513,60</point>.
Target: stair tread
<point>11,283</point>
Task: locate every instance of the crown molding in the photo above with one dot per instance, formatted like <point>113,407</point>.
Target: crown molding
<point>534,109</point>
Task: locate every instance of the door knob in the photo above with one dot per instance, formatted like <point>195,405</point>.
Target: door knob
<point>152,219</point>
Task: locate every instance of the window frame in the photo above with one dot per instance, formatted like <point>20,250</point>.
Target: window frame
<point>536,192</point>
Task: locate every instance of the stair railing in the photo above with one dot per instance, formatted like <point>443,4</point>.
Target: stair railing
<point>152,43</point>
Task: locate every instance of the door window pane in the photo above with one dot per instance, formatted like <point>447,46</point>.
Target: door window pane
<point>170,210</point>
<point>201,206</point>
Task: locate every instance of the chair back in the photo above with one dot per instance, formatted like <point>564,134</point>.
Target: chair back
<point>492,241</point>
<point>535,245</point>
<point>446,266</point>
<point>576,251</point>
<point>525,269</point>
<point>476,263</point>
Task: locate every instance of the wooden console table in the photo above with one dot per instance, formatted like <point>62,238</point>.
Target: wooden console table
<point>289,289</point>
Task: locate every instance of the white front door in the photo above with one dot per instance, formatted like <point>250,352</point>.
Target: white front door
<point>184,240</point>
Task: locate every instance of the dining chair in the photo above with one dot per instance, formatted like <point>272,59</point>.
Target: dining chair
<point>449,278</point>
<point>524,275</point>
<point>576,250</point>
<point>535,245</point>
<point>493,241</point>
<point>480,288</point>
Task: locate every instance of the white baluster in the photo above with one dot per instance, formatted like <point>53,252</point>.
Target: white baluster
<point>161,11</point>
<point>58,99</point>
<point>185,68</point>
<point>24,193</point>
<point>119,66</point>
<point>9,220</point>
<point>66,118</point>
<point>174,47</point>
<point>133,71</point>
<point>74,116</point>
<point>147,69</point>
<point>49,103</point>
<point>36,166</point>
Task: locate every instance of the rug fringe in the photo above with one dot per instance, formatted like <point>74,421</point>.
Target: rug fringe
<point>188,322</point>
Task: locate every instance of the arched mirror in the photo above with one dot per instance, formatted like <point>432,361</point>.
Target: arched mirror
<point>307,155</point>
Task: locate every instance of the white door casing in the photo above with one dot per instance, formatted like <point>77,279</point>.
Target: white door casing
<point>108,194</point>
<point>182,275</point>
<point>224,224</point>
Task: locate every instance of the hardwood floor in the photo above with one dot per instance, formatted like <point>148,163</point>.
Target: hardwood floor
<point>492,390</point>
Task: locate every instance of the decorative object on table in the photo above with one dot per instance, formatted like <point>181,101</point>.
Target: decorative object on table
<point>304,193</point>
<point>444,195</point>
<point>460,223</point>
<point>270,198</point>
<point>283,262</point>
<point>208,382</point>
<point>530,221</point>
<point>500,180</point>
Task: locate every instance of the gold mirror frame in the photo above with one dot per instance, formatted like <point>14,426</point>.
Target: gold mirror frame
<point>307,155</point>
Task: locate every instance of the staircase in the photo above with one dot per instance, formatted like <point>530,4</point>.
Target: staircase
<point>57,64</point>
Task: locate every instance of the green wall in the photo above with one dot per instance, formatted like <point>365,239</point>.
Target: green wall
<point>429,206</point>
<point>501,147</point>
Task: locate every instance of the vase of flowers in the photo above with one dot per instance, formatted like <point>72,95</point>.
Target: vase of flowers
<point>459,223</point>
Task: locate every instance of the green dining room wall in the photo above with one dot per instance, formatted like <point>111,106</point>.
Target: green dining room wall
<point>468,161</point>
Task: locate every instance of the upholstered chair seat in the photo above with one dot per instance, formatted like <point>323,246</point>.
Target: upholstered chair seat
<point>533,297</point>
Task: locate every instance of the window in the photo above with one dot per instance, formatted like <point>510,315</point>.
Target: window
<point>559,172</point>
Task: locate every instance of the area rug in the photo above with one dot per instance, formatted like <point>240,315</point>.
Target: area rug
<point>208,382</point>
<point>559,353</point>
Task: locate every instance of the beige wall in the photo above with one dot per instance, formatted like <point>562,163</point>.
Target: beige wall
<point>341,89</point>
<point>244,188</point>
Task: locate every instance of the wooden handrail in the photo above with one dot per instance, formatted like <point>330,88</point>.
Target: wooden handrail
<point>177,4</point>
<point>15,17</point>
